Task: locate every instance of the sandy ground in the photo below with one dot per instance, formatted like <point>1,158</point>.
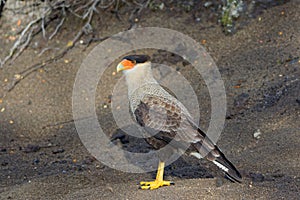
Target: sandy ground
<point>42,157</point>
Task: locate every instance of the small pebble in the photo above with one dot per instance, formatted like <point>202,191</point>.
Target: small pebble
<point>110,189</point>
<point>31,148</point>
<point>207,4</point>
<point>17,76</point>
<point>58,151</point>
<point>257,134</point>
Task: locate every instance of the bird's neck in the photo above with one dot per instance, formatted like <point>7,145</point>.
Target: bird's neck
<point>139,76</point>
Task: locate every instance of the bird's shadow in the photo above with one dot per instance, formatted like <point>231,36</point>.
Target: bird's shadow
<point>186,167</point>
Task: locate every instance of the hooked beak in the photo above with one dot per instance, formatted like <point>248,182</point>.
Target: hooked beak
<point>120,67</point>
<point>124,65</point>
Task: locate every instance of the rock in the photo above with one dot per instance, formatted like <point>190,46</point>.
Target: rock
<point>31,148</point>
<point>257,177</point>
<point>58,151</point>
<point>257,134</point>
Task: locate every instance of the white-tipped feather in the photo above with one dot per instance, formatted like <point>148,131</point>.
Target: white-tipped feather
<point>221,166</point>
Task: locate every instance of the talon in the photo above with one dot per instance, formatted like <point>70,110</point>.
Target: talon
<point>154,184</point>
<point>158,182</point>
<point>144,183</point>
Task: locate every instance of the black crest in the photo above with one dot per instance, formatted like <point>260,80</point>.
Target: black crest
<point>138,58</point>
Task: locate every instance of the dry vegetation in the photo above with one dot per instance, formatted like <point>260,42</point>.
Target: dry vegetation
<point>54,13</point>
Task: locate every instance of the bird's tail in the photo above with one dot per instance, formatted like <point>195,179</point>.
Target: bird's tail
<point>232,173</point>
<point>215,155</point>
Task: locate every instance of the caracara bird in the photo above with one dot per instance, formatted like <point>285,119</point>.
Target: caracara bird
<point>156,109</point>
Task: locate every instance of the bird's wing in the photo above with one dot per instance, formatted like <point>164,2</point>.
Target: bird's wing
<point>166,115</point>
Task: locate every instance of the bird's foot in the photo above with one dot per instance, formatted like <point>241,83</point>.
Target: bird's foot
<point>151,185</point>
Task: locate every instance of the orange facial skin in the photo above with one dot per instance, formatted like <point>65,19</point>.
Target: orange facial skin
<point>125,65</point>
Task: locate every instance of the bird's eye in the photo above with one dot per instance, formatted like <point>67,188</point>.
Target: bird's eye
<point>133,62</point>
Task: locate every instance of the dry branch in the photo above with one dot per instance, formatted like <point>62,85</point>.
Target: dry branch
<point>53,10</point>
<point>83,9</point>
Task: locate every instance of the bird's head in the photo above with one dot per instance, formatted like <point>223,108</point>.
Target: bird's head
<point>132,61</point>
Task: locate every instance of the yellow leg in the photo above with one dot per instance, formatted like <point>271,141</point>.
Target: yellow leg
<point>159,182</point>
